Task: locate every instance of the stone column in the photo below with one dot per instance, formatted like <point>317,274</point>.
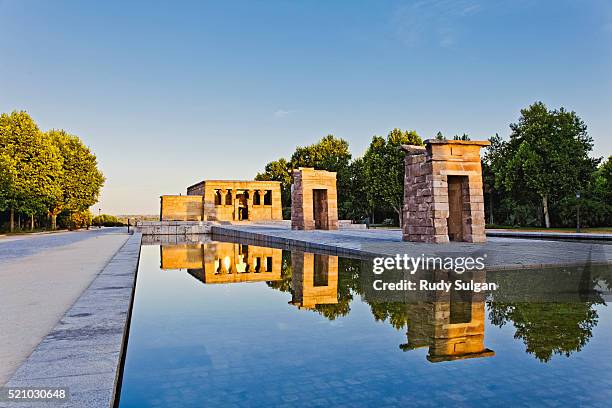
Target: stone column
<point>262,193</point>
<point>249,204</point>
<point>234,204</point>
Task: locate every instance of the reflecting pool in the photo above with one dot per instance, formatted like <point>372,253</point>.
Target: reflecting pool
<point>227,324</point>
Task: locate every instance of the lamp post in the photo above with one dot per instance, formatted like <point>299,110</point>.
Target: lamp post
<point>99,219</point>
<point>578,211</point>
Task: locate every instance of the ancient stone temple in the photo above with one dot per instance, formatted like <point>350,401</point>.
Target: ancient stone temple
<point>314,202</point>
<point>443,197</point>
<point>225,200</point>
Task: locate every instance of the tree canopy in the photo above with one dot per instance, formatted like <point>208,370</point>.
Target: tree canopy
<point>368,183</point>
<point>529,179</point>
<point>30,165</point>
<point>384,168</point>
<point>329,153</point>
<point>80,178</point>
<point>547,155</point>
<point>44,173</point>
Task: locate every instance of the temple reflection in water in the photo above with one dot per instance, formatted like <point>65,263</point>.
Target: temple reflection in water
<point>224,262</point>
<point>314,279</point>
<point>451,324</point>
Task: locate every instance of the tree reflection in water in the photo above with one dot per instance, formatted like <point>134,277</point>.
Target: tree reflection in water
<point>553,311</point>
<point>547,329</point>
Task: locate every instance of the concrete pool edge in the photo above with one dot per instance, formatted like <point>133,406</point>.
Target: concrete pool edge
<point>584,236</point>
<point>84,350</point>
<point>351,249</point>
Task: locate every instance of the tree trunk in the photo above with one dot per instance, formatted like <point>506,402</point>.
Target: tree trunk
<point>399,216</point>
<point>53,221</point>
<point>32,222</point>
<point>546,216</point>
<point>491,208</point>
<point>12,227</point>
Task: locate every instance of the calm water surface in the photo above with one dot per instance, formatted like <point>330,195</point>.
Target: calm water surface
<point>223,324</point>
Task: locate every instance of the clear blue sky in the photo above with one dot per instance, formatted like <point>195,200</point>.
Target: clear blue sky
<point>170,94</point>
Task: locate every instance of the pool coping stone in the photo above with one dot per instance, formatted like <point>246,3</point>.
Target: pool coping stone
<point>350,246</point>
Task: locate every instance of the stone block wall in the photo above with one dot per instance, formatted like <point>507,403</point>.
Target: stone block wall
<point>180,208</point>
<point>239,201</point>
<point>427,215</point>
<point>314,188</point>
<point>229,210</point>
<point>174,228</point>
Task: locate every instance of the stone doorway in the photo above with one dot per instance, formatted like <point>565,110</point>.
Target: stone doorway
<point>243,206</point>
<point>443,197</point>
<point>243,213</point>
<point>319,207</point>
<point>320,276</point>
<point>314,201</point>
<point>455,207</point>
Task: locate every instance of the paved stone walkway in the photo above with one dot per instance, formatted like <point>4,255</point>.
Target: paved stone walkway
<point>501,253</point>
<point>83,351</point>
<point>19,246</point>
<point>41,276</point>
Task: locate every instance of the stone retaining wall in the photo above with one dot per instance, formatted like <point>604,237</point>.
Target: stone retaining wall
<point>173,227</point>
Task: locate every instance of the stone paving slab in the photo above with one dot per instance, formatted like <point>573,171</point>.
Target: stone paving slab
<point>500,253</point>
<point>18,246</point>
<point>84,349</point>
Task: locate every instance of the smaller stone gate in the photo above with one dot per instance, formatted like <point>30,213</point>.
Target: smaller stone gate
<point>314,201</point>
<point>443,198</point>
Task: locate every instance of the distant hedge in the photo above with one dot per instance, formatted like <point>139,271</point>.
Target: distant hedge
<point>106,220</point>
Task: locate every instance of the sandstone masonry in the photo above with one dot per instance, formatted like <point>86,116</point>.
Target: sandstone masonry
<point>314,200</point>
<point>443,197</point>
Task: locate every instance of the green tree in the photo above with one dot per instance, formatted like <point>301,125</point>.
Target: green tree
<point>488,177</point>
<point>384,168</point>
<point>357,205</point>
<point>75,219</point>
<point>279,170</point>
<point>30,166</point>
<point>547,154</point>
<point>595,201</point>
<point>462,137</point>
<point>106,220</point>
<point>331,154</point>
<point>81,179</point>
<point>603,181</point>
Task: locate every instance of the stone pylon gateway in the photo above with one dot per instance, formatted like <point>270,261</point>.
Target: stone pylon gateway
<point>443,197</point>
<point>314,200</point>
